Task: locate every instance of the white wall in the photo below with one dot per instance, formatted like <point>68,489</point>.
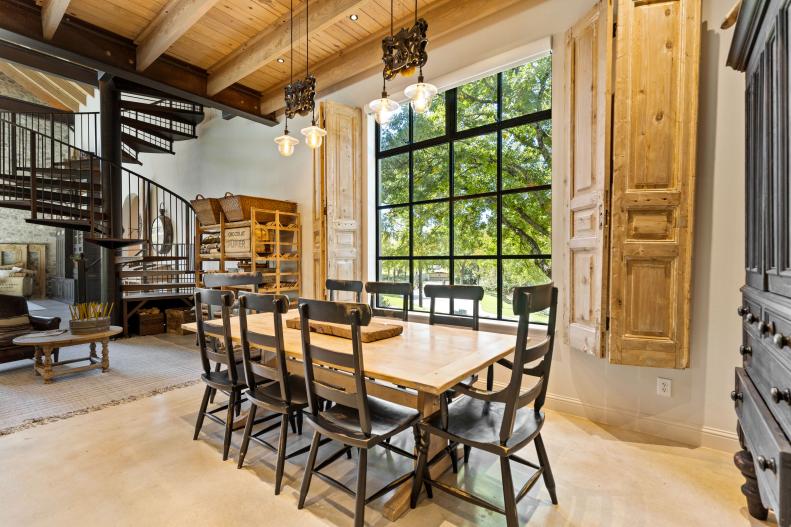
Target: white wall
<point>239,156</point>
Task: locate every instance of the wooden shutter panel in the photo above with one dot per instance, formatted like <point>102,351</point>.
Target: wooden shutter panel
<point>339,183</point>
<point>656,94</point>
<point>588,66</point>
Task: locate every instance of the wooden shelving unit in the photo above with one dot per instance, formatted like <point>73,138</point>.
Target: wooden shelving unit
<point>275,250</point>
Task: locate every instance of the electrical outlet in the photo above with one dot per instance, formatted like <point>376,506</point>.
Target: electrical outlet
<point>664,387</point>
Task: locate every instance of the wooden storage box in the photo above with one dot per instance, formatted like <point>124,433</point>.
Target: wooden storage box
<point>207,210</point>
<point>178,316</point>
<point>237,207</point>
<point>150,323</point>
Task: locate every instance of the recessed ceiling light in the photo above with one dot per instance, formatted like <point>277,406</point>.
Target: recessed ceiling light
<point>353,18</point>
<point>281,60</point>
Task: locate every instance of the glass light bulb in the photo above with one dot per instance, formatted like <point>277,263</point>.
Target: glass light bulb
<point>384,109</point>
<point>285,144</point>
<point>421,95</point>
<point>313,135</point>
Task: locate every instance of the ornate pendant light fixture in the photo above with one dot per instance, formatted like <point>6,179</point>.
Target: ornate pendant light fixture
<point>313,134</point>
<point>422,93</point>
<point>286,143</point>
<point>385,108</point>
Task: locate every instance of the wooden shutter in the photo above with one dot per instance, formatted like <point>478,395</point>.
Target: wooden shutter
<point>588,66</point>
<point>338,182</point>
<point>656,94</point>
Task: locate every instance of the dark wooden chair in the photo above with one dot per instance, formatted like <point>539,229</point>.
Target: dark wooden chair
<point>501,423</point>
<point>355,420</point>
<point>229,380</point>
<point>403,289</point>
<point>281,392</point>
<point>352,286</point>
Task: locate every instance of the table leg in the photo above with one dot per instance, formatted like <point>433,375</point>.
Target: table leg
<point>105,355</point>
<point>47,365</point>
<point>398,503</point>
<point>37,360</point>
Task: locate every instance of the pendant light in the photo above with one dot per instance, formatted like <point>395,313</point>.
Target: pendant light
<point>385,108</point>
<point>313,134</point>
<point>286,143</point>
<point>422,93</point>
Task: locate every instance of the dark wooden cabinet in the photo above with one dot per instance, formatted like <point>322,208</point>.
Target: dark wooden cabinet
<point>762,393</point>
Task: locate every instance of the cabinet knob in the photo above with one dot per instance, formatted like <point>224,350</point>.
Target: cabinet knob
<point>766,464</point>
<point>736,396</point>
<point>779,395</point>
<point>780,340</point>
<point>741,310</point>
<point>750,318</point>
<point>745,350</point>
<point>763,327</point>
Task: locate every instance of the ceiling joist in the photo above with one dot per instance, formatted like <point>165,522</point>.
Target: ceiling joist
<point>170,24</point>
<point>269,45</point>
<point>52,12</point>
<point>443,18</point>
<point>36,86</point>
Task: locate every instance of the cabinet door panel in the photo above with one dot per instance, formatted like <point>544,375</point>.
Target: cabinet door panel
<point>655,105</point>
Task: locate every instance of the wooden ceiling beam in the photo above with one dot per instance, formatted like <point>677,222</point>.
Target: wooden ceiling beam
<point>443,17</point>
<point>100,50</point>
<point>67,87</point>
<point>32,83</point>
<point>52,12</point>
<point>170,24</point>
<point>269,45</point>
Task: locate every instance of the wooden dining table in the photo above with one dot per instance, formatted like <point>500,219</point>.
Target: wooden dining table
<point>414,368</point>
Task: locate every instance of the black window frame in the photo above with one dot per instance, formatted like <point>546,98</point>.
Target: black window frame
<point>450,137</point>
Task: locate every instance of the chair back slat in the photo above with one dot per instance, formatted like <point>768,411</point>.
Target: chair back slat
<point>219,280</point>
<point>276,305</point>
<point>473,293</point>
<point>527,301</point>
<point>402,289</point>
<point>355,316</point>
<point>352,286</point>
<point>209,335</point>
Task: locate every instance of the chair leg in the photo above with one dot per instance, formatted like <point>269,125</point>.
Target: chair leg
<point>281,452</point>
<point>454,460</point>
<point>216,369</point>
<point>467,450</point>
<point>293,420</point>
<point>490,377</point>
<point>55,354</point>
<point>348,453</point>
<point>248,429</point>
<point>300,416</point>
<point>543,460</point>
<point>202,412</point>
<point>420,466</point>
<point>362,471</point>
<point>238,406</point>
<point>226,445</point>
<point>511,516</point>
<point>314,448</point>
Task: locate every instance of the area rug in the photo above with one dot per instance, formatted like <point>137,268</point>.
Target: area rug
<point>139,367</point>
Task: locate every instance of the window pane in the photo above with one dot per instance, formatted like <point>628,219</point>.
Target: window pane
<point>430,272</point>
<point>475,165</point>
<point>527,89</point>
<point>394,232</point>
<point>527,223</point>
<point>476,103</point>
<point>475,226</point>
<point>477,272</point>
<point>527,155</point>
<point>392,271</point>
<point>396,132</point>
<point>394,180</point>
<point>431,173</point>
<point>519,273</point>
<point>432,123</point>
<point>430,224</point>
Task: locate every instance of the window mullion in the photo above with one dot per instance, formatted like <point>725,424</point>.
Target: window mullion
<point>499,196</point>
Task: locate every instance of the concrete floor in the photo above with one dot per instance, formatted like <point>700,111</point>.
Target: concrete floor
<point>136,464</point>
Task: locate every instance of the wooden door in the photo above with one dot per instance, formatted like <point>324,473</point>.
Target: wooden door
<point>339,184</point>
<point>588,96</point>
<point>655,112</point>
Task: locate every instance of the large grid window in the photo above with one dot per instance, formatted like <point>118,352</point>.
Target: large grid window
<point>463,192</point>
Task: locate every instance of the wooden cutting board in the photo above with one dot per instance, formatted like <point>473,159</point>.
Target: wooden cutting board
<point>370,333</point>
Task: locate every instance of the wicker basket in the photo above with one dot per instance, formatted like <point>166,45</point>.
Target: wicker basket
<point>208,210</point>
<point>89,326</point>
<point>237,206</point>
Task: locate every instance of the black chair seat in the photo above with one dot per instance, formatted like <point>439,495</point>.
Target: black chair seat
<point>269,395</point>
<point>387,419</point>
<point>477,423</point>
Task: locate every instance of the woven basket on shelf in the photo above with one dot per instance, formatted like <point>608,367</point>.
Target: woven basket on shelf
<point>208,210</point>
<point>237,206</point>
